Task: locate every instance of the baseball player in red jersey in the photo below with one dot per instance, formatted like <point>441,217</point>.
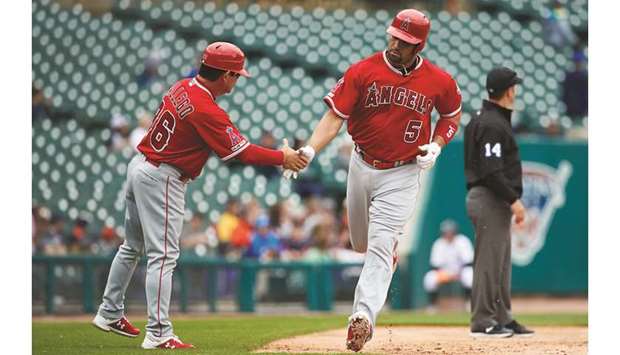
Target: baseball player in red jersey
<point>188,126</point>
<point>386,100</point>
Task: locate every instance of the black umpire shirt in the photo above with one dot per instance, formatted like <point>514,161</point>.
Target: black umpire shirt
<point>491,153</point>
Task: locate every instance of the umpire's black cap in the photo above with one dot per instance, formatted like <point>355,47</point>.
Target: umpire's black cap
<point>500,79</point>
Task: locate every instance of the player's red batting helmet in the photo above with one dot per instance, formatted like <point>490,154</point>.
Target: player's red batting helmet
<point>410,26</point>
<point>225,56</point>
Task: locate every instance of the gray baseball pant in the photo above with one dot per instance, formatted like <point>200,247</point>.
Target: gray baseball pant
<point>490,298</point>
<point>155,198</point>
<point>379,204</point>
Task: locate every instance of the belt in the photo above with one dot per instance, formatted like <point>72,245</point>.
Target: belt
<point>381,164</point>
<point>184,178</point>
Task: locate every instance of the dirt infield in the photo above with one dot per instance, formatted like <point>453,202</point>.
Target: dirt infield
<point>440,340</point>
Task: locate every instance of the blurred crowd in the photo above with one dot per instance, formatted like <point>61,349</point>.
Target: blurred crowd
<point>573,89</point>
<point>315,230</point>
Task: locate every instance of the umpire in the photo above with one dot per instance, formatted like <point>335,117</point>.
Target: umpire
<point>493,173</point>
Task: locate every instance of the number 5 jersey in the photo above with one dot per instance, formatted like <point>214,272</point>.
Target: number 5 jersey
<point>388,112</point>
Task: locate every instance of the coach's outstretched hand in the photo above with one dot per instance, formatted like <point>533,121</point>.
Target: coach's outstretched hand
<point>293,160</point>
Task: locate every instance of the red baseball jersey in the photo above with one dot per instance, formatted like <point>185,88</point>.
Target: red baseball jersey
<point>389,114</point>
<point>187,127</point>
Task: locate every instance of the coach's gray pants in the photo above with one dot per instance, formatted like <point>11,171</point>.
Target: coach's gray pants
<point>490,297</point>
<point>155,200</point>
<point>379,203</point>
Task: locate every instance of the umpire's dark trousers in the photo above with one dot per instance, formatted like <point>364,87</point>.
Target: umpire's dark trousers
<point>490,298</point>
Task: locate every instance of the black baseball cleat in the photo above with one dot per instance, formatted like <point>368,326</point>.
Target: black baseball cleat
<point>495,331</point>
<point>519,329</point>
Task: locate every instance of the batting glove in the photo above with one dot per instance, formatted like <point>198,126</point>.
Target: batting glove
<point>427,160</point>
<point>309,153</point>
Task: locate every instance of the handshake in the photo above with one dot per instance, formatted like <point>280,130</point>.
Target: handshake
<point>295,160</point>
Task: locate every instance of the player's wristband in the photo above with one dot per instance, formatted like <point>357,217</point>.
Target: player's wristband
<point>445,129</point>
<point>308,152</point>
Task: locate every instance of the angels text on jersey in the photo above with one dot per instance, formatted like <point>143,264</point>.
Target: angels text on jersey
<point>388,94</point>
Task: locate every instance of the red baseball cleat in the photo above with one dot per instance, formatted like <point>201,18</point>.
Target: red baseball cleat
<point>359,332</point>
<point>120,326</point>
<point>170,343</point>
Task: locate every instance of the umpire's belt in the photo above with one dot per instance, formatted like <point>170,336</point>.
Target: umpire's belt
<point>380,164</point>
<point>184,178</point>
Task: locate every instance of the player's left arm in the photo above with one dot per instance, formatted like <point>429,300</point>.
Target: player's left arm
<point>326,130</point>
<point>448,105</point>
<point>446,128</point>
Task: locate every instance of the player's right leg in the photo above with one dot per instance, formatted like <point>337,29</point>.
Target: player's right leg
<point>160,197</point>
<point>111,313</point>
<point>358,202</point>
<point>394,193</point>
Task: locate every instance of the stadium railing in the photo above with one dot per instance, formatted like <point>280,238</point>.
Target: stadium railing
<point>319,284</point>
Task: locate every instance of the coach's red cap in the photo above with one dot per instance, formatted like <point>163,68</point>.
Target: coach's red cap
<point>411,26</point>
<point>225,56</point>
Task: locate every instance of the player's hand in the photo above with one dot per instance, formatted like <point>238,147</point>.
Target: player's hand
<point>293,160</point>
<point>309,153</point>
<point>518,210</point>
<point>427,160</point>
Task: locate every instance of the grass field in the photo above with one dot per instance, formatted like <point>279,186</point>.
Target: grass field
<point>239,334</point>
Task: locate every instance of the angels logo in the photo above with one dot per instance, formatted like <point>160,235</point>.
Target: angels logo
<point>405,25</point>
<point>543,193</point>
<point>371,98</point>
<point>235,139</point>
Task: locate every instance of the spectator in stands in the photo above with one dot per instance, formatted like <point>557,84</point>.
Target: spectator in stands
<point>452,256</point>
<point>314,214</point>
<point>269,171</point>
<point>241,237</point>
<point>453,6</point>
<point>575,88</point>
<point>226,225</point>
<point>53,242</point>
<point>198,238</point>
<point>42,218</point>
<point>151,67</point>
<point>194,71</point>
<point>40,105</point>
<point>320,243</point>
<point>36,228</point>
<point>144,122</point>
<point>265,243</point>
<point>281,220</point>
<point>78,239</point>
<point>108,242</point>
<point>295,245</point>
<point>120,132</point>
<point>557,28</point>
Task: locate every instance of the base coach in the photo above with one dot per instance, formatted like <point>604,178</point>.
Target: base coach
<point>493,173</point>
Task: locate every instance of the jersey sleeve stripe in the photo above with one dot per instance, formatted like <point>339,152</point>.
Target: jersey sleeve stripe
<point>236,152</point>
<point>453,113</point>
<point>331,105</point>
